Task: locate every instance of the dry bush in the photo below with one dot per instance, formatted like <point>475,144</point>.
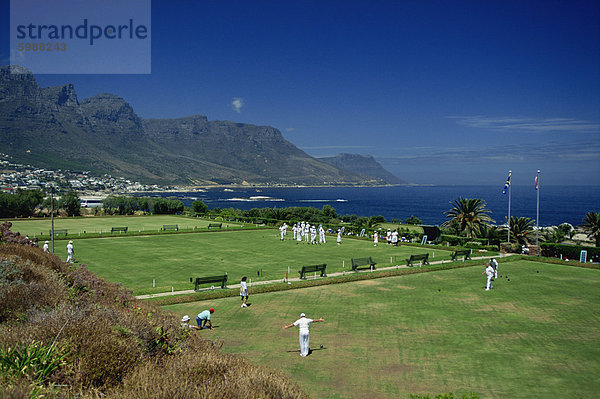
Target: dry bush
<point>24,285</point>
<point>117,346</point>
<point>204,372</point>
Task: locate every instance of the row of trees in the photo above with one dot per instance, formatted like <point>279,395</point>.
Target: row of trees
<point>470,217</point>
<point>121,205</point>
<point>26,203</point>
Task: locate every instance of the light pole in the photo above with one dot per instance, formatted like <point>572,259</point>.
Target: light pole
<point>52,214</point>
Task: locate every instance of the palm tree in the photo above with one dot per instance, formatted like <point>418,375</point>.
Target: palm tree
<point>490,233</point>
<point>591,226</point>
<point>470,213</point>
<point>521,228</point>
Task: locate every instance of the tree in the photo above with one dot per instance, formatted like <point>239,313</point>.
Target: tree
<point>329,212</point>
<point>490,233</point>
<point>20,204</point>
<point>413,220</point>
<point>591,226</point>
<point>470,213</point>
<point>199,207</point>
<point>521,228</point>
<point>69,202</point>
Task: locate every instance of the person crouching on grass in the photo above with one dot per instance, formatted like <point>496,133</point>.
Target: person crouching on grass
<point>203,319</point>
<point>304,336</point>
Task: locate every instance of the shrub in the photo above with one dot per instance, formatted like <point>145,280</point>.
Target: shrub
<point>553,250</point>
<point>34,361</point>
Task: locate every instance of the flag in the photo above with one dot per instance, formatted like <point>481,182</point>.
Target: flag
<point>507,184</point>
<point>536,180</point>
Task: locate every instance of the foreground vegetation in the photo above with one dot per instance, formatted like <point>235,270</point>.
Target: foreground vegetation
<point>64,332</point>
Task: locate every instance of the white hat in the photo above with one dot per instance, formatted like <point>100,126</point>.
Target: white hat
<point>302,315</point>
<point>185,318</point>
<point>70,242</point>
<point>46,242</point>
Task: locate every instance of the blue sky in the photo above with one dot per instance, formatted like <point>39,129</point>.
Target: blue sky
<point>438,92</point>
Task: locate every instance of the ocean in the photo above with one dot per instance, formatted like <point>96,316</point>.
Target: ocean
<point>558,204</point>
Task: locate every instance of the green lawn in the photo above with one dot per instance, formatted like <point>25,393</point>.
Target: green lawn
<point>171,260</point>
<point>86,226</point>
<point>40,227</point>
<point>535,336</point>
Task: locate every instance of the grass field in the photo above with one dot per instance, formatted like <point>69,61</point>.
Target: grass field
<point>171,260</point>
<point>535,336</point>
<point>40,227</point>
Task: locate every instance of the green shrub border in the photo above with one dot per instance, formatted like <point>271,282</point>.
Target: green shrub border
<point>550,249</point>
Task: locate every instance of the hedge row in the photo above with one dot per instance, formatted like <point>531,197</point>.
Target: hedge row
<point>552,250</point>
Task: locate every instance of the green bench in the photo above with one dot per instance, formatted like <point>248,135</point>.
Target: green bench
<point>210,279</point>
<point>170,227</point>
<point>363,263</point>
<point>119,229</point>
<point>421,258</point>
<point>466,253</point>
<point>58,232</point>
<point>215,225</point>
<point>312,269</point>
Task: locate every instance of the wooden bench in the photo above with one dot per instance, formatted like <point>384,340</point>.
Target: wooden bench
<point>362,263</point>
<point>419,257</point>
<point>312,269</point>
<point>466,253</point>
<point>215,225</point>
<point>119,229</point>
<point>170,227</point>
<point>210,279</point>
<point>58,232</point>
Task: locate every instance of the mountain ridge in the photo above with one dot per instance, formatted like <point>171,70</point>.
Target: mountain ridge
<point>103,134</point>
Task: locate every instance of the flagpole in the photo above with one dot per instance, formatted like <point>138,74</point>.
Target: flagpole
<point>537,216</point>
<point>509,193</point>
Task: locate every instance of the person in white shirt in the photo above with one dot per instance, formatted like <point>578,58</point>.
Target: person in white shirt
<point>281,232</point>
<point>494,264</point>
<point>304,335</point>
<point>339,237</point>
<point>321,234</point>
<point>185,322</point>
<point>244,292</point>
<point>313,234</point>
<point>307,233</point>
<point>294,230</point>
<point>70,252</point>
<point>375,239</point>
<point>395,238</point>
<point>489,273</point>
<point>46,247</point>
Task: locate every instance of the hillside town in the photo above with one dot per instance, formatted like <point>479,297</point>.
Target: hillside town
<point>14,176</point>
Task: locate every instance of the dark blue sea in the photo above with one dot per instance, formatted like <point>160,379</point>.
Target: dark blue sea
<point>558,204</point>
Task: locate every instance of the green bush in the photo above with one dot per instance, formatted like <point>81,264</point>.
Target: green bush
<point>553,250</point>
<point>34,360</point>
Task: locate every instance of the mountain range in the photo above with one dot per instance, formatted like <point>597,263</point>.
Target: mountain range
<point>51,128</point>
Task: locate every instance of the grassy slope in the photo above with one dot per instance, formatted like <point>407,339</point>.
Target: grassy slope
<point>533,336</point>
